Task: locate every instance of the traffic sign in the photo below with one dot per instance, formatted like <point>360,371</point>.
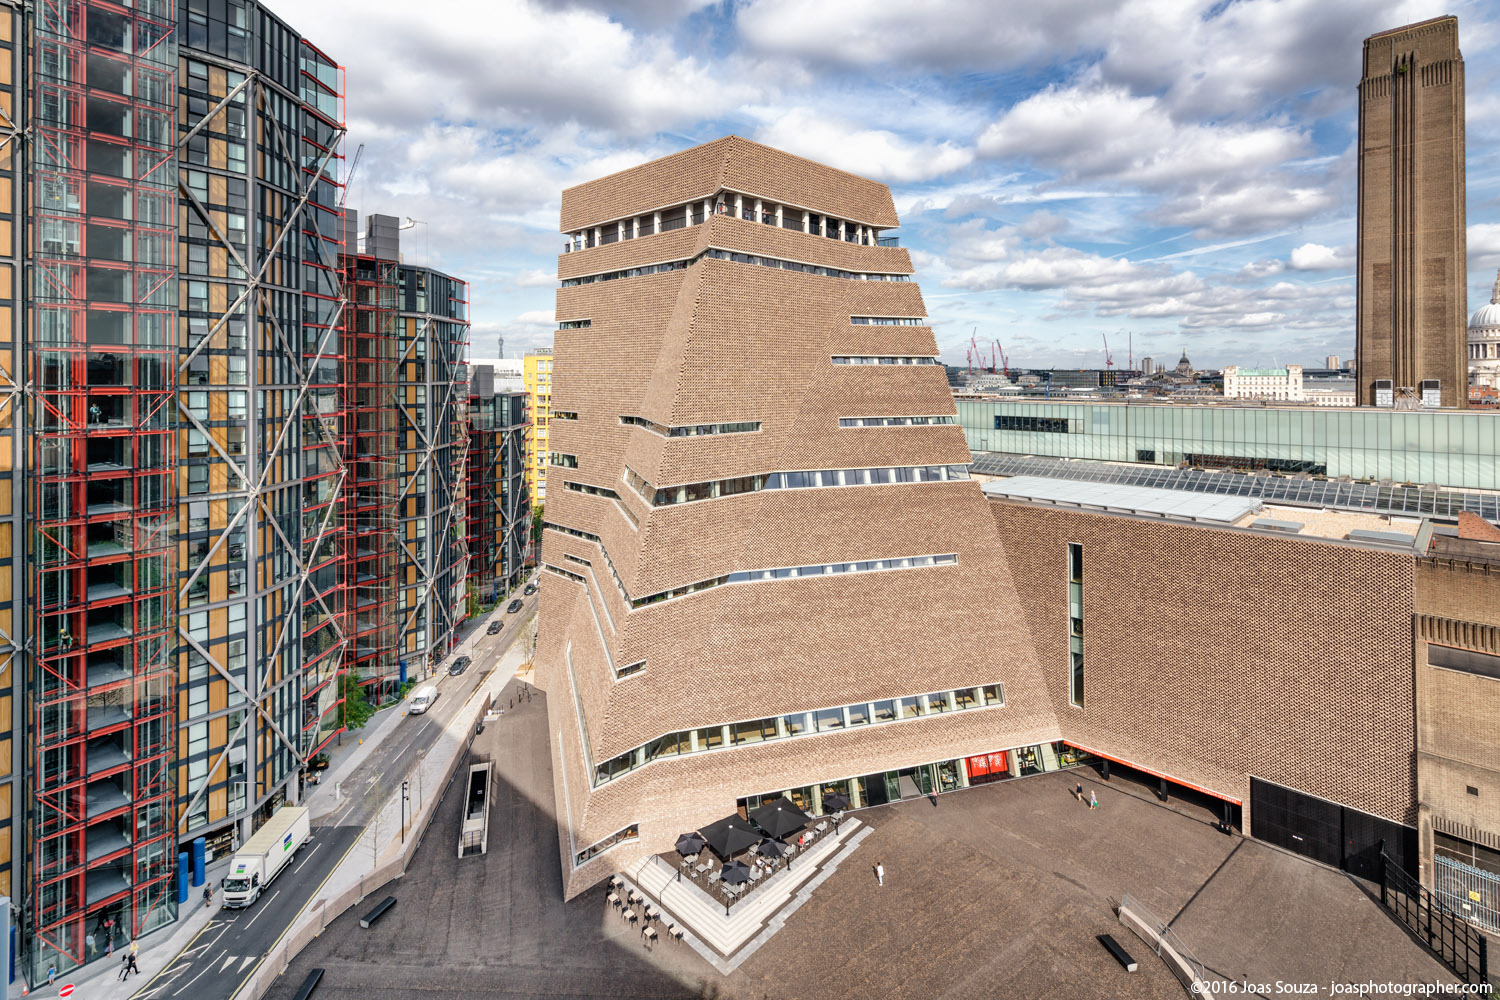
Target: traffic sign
<point>65,991</point>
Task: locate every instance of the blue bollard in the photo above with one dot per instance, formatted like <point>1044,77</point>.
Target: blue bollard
<point>200,848</point>
<point>182,878</point>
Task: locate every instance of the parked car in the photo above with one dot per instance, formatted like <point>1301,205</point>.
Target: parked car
<point>458,666</point>
<point>495,627</point>
<point>514,606</point>
<point>530,589</point>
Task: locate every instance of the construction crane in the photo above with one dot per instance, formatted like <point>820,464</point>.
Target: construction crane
<point>975,352</point>
<point>1130,341</point>
<point>1109,361</point>
<point>349,177</point>
<point>1004,361</point>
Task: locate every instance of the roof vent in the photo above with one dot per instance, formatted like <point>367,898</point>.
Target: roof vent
<point>1383,537</point>
<point>1271,524</point>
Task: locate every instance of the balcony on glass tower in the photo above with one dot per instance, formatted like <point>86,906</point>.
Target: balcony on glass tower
<point>110,582</point>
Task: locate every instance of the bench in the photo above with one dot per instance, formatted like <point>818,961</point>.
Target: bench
<point>379,911</point>
<point>1121,955</point>
<point>309,984</point>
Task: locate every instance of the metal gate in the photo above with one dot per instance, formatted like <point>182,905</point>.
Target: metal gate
<point>1336,835</point>
<point>1470,892</point>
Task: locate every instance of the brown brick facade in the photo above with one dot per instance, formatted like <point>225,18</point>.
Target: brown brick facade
<point>725,341</point>
<point>1410,318</point>
<point>1458,713</point>
<point>1213,654</point>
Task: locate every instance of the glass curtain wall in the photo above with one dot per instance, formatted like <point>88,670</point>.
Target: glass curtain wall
<point>101,564</point>
<point>1450,449</point>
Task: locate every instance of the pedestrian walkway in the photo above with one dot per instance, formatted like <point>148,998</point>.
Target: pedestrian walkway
<point>100,979</point>
<point>727,939</point>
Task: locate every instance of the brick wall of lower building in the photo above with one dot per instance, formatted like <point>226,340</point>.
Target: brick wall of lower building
<point>1458,713</point>
<point>1213,655</point>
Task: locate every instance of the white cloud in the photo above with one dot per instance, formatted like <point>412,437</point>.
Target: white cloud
<point>1316,257</point>
<point>1229,208</point>
<point>938,35</point>
<point>875,153</point>
<point>1093,131</point>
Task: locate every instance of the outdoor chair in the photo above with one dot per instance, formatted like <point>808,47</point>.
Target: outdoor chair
<point>821,826</point>
<point>755,874</point>
<point>713,877</point>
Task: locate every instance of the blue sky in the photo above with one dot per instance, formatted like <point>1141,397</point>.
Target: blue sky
<point>1173,173</point>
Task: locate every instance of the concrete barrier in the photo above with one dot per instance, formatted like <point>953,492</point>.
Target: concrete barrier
<point>1183,966</point>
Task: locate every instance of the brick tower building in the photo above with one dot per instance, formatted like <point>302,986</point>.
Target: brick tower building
<point>757,488</point>
<point>1410,346</point>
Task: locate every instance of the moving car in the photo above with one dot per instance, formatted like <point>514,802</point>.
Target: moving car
<point>514,606</point>
<point>530,589</point>
<point>495,627</point>
<point>458,666</point>
<point>422,700</point>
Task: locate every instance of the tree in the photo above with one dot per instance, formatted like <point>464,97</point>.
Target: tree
<point>536,524</point>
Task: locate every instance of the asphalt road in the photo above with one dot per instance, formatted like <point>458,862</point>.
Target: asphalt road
<point>228,950</point>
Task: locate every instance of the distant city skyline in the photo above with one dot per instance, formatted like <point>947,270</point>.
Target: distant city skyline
<point>1183,173</point>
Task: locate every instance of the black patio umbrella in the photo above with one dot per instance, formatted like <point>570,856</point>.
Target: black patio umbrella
<point>779,817</point>
<point>735,873</point>
<point>772,849</point>
<point>729,836</point>
<point>689,843</point>
<point>837,802</point>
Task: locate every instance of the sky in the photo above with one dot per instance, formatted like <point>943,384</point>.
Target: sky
<point>1168,175</point>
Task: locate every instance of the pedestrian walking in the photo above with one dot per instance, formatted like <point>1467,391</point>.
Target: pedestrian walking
<point>124,966</point>
<point>880,873</point>
<point>135,947</point>
<point>208,896</point>
<point>90,944</point>
<point>1093,800</point>
<point>130,966</point>
<point>1079,793</point>
<point>51,974</point>
<point>109,948</point>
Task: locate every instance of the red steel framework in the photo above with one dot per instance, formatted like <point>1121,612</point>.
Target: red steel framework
<point>101,494</point>
<point>325,530</point>
<point>371,328</point>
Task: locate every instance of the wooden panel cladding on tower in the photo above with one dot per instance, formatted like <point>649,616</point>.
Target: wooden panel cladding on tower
<point>1412,242</point>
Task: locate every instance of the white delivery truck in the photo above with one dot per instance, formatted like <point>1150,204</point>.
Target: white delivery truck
<point>265,855</point>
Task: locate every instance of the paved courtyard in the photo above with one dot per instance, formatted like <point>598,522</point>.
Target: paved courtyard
<point>995,891</point>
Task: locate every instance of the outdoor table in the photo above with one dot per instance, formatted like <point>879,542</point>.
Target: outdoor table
<point>651,912</point>
<point>648,933</point>
<point>614,899</point>
<point>616,881</point>
<point>631,916</point>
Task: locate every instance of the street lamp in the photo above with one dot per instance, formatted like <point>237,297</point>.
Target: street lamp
<point>405,787</point>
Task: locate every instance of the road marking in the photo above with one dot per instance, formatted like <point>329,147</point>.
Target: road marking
<point>293,922</point>
<point>173,964</point>
<point>190,982</point>
<point>262,909</point>
<point>311,853</point>
<point>228,961</point>
<point>247,960</point>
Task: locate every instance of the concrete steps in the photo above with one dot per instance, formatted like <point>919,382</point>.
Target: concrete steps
<point>689,904</point>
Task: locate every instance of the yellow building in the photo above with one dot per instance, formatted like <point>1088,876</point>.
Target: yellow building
<point>537,376</point>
